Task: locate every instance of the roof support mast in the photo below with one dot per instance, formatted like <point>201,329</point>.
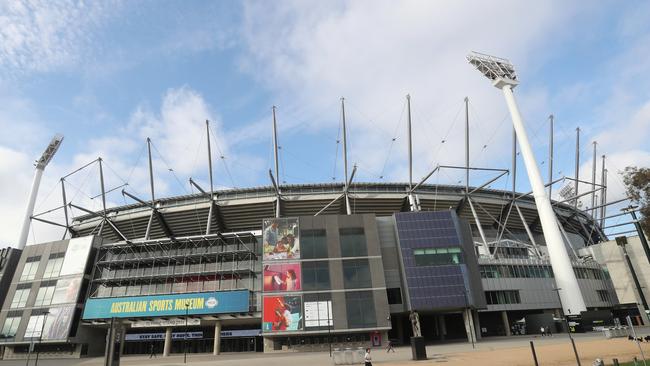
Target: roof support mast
<point>603,195</point>
<point>147,233</point>
<point>466,145</point>
<point>210,212</point>
<point>593,181</point>
<point>550,156</point>
<point>345,158</point>
<point>33,194</point>
<point>577,167</point>
<point>502,74</point>
<point>413,200</point>
<point>277,164</point>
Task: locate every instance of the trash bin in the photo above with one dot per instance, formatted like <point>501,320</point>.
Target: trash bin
<point>349,356</point>
<point>337,356</point>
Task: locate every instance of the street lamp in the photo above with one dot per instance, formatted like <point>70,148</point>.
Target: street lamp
<point>187,309</point>
<point>503,76</point>
<point>40,337</point>
<point>566,321</point>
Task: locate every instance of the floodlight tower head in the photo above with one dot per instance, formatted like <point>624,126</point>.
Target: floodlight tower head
<point>499,70</point>
<point>49,152</point>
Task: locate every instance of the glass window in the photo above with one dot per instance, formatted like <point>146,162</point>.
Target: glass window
<point>353,242</point>
<point>315,276</point>
<point>438,256</point>
<point>502,297</point>
<point>361,309</point>
<point>34,326</point>
<point>31,266</point>
<point>53,267</point>
<point>356,273</point>
<point>394,295</point>
<point>44,295</point>
<point>20,298</point>
<point>603,295</point>
<point>10,327</point>
<point>66,290</point>
<point>313,244</point>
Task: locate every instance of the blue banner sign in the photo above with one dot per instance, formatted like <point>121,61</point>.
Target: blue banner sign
<point>218,302</point>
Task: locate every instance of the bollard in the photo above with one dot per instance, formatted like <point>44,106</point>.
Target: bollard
<point>615,361</point>
<point>532,348</point>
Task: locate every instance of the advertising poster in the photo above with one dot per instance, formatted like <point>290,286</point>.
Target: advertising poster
<point>57,325</point>
<point>282,277</point>
<point>281,238</point>
<point>66,290</point>
<point>282,313</point>
<point>318,314</point>
<point>76,256</point>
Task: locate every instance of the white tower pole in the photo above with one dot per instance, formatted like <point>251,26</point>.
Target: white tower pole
<point>503,76</point>
<point>33,193</point>
<point>565,278</point>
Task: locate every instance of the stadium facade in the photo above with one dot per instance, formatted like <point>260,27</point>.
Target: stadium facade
<point>251,270</point>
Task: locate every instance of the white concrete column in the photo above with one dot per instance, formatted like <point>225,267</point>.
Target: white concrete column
<point>477,325</point>
<point>506,323</point>
<point>217,338</point>
<point>168,342</point>
<point>469,325</point>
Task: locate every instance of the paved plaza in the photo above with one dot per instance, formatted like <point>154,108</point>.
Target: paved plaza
<point>554,350</point>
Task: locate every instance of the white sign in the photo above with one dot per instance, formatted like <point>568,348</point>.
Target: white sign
<point>318,314</point>
<point>164,323</point>
<point>161,336</point>
<point>241,333</point>
<point>76,256</point>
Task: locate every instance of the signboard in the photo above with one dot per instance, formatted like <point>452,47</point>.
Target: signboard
<point>282,313</point>
<point>241,333</point>
<point>168,305</point>
<point>57,323</point>
<point>282,277</point>
<point>66,290</point>
<point>281,239</point>
<point>318,314</point>
<point>161,336</point>
<point>157,323</point>
<point>76,256</point>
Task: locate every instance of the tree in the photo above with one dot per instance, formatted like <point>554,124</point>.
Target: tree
<point>637,185</point>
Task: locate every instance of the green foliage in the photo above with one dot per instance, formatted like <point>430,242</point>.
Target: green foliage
<point>637,185</point>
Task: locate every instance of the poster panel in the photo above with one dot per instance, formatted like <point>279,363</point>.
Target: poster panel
<point>57,325</point>
<point>318,314</point>
<point>282,313</point>
<point>281,238</point>
<point>282,277</point>
<point>66,290</point>
<point>76,256</point>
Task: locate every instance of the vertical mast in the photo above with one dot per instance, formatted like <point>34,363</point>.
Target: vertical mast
<point>348,210</point>
<point>410,147</point>
<point>153,196</point>
<point>275,148</point>
<point>593,182</point>
<point>550,157</point>
<point>277,166</point>
<point>101,182</point>
<point>577,168</point>
<point>65,208</point>
<point>603,194</point>
<point>514,163</point>
<point>207,131</point>
<point>466,145</point>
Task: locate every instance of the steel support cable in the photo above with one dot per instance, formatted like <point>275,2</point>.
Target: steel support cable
<point>336,154</point>
<point>444,139</point>
<point>223,157</point>
<point>393,139</point>
<point>478,118</point>
<point>169,168</point>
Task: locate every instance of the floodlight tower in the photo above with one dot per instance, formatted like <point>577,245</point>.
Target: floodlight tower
<point>40,167</point>
<point>502,74</point>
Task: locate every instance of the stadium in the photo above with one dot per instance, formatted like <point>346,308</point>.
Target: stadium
<point>310,267</point>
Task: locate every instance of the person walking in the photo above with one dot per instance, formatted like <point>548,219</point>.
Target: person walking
<point>152,351</point>
<point>390,347</point>
<point>543,331</point>
<point>367,359</point>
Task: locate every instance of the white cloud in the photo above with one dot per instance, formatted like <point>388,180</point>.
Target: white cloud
<point>376,52</point>
<point>47,35</point>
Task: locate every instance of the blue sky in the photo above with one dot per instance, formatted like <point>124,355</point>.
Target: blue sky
<point>109,74</point>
